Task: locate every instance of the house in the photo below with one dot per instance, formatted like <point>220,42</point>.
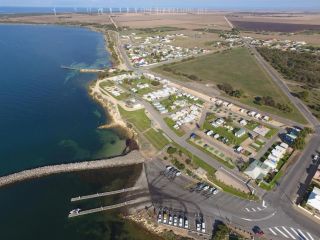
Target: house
<point>257,170</point>
<point>266,118</point>
<point>243,122</point>
<point>316,176</point>
<point>239,149</point>
<point>314,199</point>
<point>241,132</point>
<point>270,163</point>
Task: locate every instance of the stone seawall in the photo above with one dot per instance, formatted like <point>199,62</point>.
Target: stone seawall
<point>131,158</point>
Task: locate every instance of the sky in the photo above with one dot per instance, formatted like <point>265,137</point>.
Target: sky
<point>215,4</point>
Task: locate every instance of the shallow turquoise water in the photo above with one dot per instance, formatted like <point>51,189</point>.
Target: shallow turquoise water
<point>47,117</point>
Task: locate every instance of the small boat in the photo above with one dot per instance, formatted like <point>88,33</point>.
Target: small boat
<point>75,211</point>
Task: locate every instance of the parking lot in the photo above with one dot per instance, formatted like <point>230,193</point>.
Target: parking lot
<point>191,222</point>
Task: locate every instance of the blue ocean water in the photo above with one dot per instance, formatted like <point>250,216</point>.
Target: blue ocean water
<point>46,115</point>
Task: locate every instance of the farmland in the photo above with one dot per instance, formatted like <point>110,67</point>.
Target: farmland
<point>237,68</point>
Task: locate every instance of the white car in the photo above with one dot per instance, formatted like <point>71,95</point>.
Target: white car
<point>159,217</point>
<point>215,191</point>
<point>175,221</point>
<point>206,188</point>
<point>170,219</point>
<point>178,173</point>
<point>316,157</point>
<point>203,227</point>
<point>210,133</point>
<point>186,223</point>
<point>181,222</point>
<point>198,227</point>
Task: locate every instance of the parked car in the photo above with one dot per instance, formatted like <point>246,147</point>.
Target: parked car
<point>257,230</point>
<point>203,227</point>
<point>186,223</point>
<point>170,219</point>
<point>198,226</point>
<point>316,157</point>
<point>159,217</point>
<point>181,222</point>
<point>175,221</point>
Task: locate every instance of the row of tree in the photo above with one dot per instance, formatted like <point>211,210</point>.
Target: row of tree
<point>269,101</point>
<point>228,89</point>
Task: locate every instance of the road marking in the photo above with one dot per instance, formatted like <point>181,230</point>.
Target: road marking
<point>274,233</point>
<point>288,233</point>
<point>259,219</point>
<point>264,204</point>
<point>247,210</point>
<point>281,232</point>
<point>253,209</point>
<point>293,230</point>
<point>310,236</point>
<point>259,208</point>
<point>304,236</point>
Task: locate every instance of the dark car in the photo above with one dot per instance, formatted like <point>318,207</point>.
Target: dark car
<point>257,230</point>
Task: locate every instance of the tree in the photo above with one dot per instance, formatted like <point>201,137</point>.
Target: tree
<point>222,232</point>
<point>299,143</point>
<point>171,150</point>
<point>226,87</point>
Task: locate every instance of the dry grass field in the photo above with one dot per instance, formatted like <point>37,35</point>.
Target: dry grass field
<point>290,18</point>
<point>59,19</point>
<point>132,20</point>
<point>187,21</point>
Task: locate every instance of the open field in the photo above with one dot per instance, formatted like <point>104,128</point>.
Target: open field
<point>137,118</point>
<point>157,139</point>
<point>131,20</point>
<point>239,69</point>
<point>69,18</point>
<point>291,18</point>
<point>186,21</point>
<point>273,27</point>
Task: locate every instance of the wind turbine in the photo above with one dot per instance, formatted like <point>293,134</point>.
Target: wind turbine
<point>54,11</point>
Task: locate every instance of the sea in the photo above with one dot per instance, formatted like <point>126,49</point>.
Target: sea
<point>47,117</point>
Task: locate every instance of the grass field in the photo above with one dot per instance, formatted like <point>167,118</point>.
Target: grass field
<point>157,139</point>
<point>238,68</point>
<point>138,118</point>
<point>222,131</point>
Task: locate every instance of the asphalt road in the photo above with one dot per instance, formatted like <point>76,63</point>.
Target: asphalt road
<point>156,117</point>
<point>275,76</point>
<point>244,214</point>
<point>279,219</point>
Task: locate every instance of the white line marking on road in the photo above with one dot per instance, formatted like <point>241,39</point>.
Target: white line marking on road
<point>253,209</point>
<point>288,233</point>
<point>259,219</point>
<point>293,230</point>
<point>310,236</point>
<point>281,232</point>
<point>259,208</point>
<point>247,209</point>
<point>264,204</point>
<point>304,236</point>
<point>274,233</point>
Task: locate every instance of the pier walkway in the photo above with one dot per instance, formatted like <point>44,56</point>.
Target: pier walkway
<point>84,70</point>
<point>131,158</point>
<point>97,195</point>
<point>119,205</point>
